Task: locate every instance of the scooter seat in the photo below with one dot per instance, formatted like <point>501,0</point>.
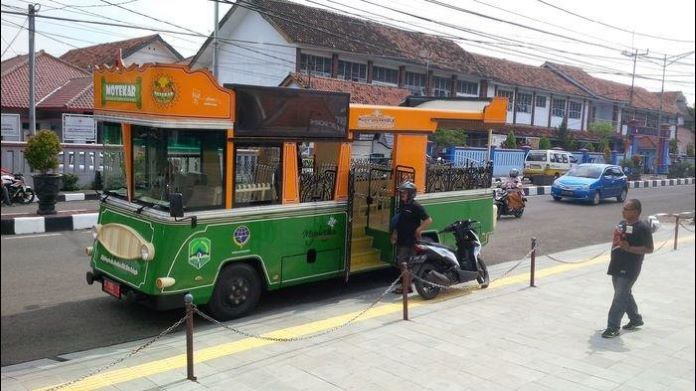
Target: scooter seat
<point>436,244</point>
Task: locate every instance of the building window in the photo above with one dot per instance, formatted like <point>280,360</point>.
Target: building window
<point>541,101</point>
<point>509,95</point>
<point>352,71</point>
<point>467,87</point>
<point>524,103</point>
<point>415,82</point>
<point>441,86</point>
<point>558,107</point>
<point>574,110</point>
<point>315,65</point>
<point>385,75</point>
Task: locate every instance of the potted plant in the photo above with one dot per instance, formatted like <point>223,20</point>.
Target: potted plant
<point>42,155</point>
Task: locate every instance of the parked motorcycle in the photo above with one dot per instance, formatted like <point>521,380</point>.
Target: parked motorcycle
<point>445,266</point>
<point>507,206</point>
<point>17,188</point>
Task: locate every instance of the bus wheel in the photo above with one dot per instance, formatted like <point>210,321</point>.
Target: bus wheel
<point>236,292</point>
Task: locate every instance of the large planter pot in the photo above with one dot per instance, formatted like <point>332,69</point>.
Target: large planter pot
<point>47,187</point>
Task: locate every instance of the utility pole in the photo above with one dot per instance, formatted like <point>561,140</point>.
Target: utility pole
<point>33,8</point>
<point>635,56</point>
<point>216,60</point>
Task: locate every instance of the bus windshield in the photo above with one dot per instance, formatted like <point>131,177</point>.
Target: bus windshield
<point>190,162</point>
<point>536,157</point>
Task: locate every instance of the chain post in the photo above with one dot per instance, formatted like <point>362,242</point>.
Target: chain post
<point>405,287</point>
<point>676,231</point>
<point>188,301</point>
<point>533,263</point>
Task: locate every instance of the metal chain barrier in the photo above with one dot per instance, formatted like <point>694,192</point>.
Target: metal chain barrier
<point>303,338</point>
<point>458,286</point>
<point>576,262</point>
<point>685,227</point>
<point>120,360</point>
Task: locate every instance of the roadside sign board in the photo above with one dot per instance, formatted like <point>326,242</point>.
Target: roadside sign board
<point>11,127</point>
<point>81,128</point>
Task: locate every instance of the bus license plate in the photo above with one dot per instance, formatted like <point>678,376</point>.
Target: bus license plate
<point>111,287</point>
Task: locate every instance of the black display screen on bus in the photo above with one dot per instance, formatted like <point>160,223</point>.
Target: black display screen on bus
<point>280,112</point>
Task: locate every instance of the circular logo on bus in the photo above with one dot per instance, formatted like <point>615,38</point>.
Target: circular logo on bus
<point>241,235</point>
<point>164,90</point>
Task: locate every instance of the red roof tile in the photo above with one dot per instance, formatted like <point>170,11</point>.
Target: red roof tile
<point>107,53</point>
<point>76,94</point>
<point>359,92</point>
<point>322,28</point>
<point>51,74</point>
<point>523,75</point>
<point>642,98</point>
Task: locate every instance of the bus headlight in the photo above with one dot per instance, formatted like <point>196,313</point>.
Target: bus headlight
<point>89,251</point>
<point>147,252</point>
<point>164,282</point>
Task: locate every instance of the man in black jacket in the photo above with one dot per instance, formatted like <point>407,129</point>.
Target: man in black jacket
<point>632,240</point>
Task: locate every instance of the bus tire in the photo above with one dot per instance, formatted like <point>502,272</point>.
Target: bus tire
<point>237,292</point>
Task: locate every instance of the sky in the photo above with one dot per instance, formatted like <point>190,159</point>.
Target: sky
<point>595,35</point>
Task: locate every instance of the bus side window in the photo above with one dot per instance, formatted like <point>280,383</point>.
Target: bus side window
<point>565,158</point>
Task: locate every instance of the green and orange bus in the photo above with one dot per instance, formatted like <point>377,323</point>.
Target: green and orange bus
<point>226,191</point>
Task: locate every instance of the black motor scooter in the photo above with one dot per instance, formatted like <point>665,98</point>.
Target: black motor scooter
<point>445,266</point>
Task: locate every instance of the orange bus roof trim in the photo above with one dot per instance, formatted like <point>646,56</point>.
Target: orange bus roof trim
<point>170,90</point>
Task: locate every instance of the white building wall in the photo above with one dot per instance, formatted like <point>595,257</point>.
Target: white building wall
<point>264,59</point>
<point>556,121</point>
<point>524,118</point>
<point>541,114</point>
<point>154,52</point>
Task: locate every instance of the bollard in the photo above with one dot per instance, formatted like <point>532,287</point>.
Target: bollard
<point>405,287</point>
<point>676,231</point>
<point>188,300</point>
<point>533,263</point>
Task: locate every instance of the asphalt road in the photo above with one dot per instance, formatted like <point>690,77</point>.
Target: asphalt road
<point>48,309</point>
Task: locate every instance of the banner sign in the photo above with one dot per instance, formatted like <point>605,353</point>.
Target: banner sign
<point>77,127</point>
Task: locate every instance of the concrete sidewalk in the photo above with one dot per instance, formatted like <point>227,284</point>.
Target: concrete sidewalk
<point>507,337</point>
<point>72,215</point>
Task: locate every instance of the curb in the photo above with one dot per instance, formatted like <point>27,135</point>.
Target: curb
<point>543,190</point>
<point>66,197</point>
<point>33,225</point>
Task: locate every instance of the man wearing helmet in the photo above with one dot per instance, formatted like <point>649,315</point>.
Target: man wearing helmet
<point>513,181</point>
<point>412,220</point>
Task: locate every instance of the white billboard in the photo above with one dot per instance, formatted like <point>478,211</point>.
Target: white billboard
<point>11,127</point>
<point>80,128</point>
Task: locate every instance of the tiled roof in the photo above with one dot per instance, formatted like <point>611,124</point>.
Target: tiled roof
<point>51,74</point>
<point>535,131</point>
<point>359,92</point>
<point>107,53</point>
<point>325,29</point>
<point>642,98</point>
<point>523,75</point>
<point>76,94</point>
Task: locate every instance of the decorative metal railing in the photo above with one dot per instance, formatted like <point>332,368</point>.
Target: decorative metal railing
<point>317,181</point>
<point>445,177</point>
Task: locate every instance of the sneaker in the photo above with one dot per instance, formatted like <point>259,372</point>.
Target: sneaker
<point>611,333</point>
<point>632,325</point>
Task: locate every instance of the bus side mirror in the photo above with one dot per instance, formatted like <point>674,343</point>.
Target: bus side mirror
<point>176,205</point>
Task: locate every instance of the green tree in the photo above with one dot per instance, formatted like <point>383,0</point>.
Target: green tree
<point>673,146</point>
<point>445,138</point>
<point>589,146</point>
<point>690,149</point>
<point>510,141</point>
<point>562,135</point>
<point>690,122</point>
<point>573,145</point>
<point>602,129</point>
<point>544,143</point>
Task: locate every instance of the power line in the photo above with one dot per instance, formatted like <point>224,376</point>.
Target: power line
<point>19,30</point>
<point>612,27</point>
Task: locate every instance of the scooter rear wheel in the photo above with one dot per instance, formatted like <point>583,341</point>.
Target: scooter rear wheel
<point>425,290</point>
<point>483,279</point>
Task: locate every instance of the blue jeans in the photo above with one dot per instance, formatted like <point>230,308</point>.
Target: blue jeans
<point>623,302</point>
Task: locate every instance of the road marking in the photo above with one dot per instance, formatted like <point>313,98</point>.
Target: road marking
<point>30,236</point>
<point>118,376</point>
